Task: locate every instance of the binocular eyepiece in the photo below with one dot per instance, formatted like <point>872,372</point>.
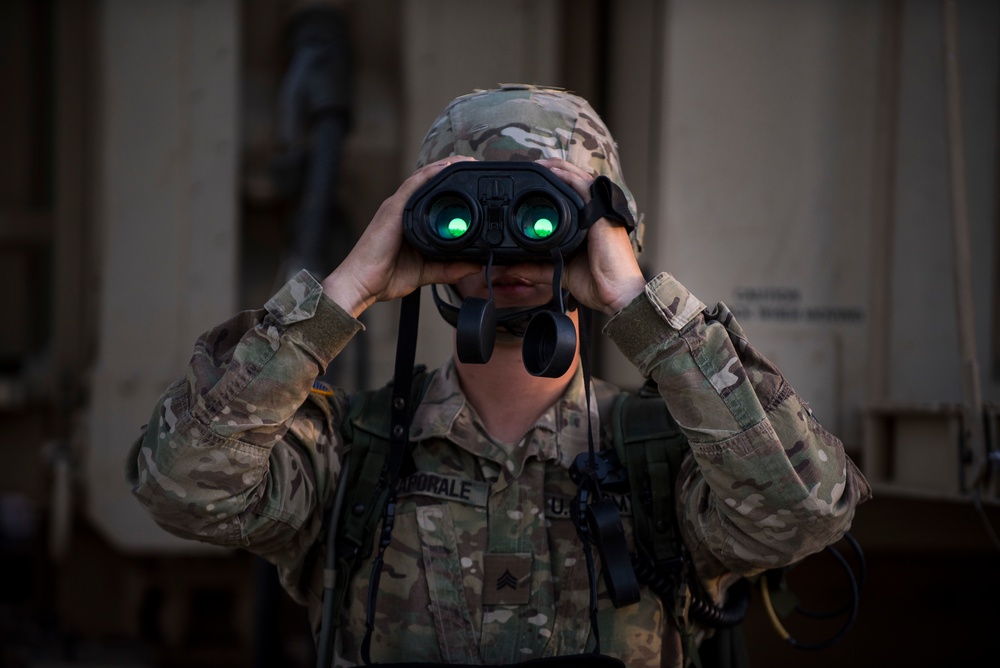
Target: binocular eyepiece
<point>502,213</point>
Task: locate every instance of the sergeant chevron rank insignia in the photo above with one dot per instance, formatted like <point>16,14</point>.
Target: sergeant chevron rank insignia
<point>506,579</point>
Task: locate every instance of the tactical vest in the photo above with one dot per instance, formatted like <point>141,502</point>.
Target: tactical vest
<point>644,439</point>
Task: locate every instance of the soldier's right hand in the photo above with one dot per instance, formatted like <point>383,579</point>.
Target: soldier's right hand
<point>382,266</point>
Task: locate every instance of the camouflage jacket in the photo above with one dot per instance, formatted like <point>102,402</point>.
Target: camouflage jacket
<point>242,453</point>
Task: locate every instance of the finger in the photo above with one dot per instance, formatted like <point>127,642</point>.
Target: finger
<point>571,175</point>
<point>428,172</point>
<point>566,165</point>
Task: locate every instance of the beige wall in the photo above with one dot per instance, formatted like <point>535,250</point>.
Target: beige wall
<point>166,115</point>
<point>766,189</point>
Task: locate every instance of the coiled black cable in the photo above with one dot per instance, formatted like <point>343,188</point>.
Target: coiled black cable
<point>862,576</point>
<point>662,582</point>
<point>704,611</point>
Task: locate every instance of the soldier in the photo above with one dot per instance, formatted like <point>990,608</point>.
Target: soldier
<point>242,452</point>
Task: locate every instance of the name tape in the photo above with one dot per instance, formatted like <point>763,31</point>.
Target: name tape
<point>440,486</point>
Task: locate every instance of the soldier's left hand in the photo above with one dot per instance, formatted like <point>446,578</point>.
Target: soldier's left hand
<point>605,277</point>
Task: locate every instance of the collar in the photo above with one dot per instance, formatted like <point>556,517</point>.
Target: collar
<point>559,434</point>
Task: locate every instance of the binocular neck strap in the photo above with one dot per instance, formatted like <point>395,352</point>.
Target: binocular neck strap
<point>399,439</point>
<point>557,275</point>
<point>589,490</point>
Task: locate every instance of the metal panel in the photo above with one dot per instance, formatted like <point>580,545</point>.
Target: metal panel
<point>766,198</point>
<point>166,207</point>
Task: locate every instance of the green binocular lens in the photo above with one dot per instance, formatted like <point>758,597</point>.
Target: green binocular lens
<point>537,218</point>
<point>450,218</point>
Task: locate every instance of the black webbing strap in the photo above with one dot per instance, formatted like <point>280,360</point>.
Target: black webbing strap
<point>652,446</point>
<point>589,487</point>
<point>597,517</point>
<point>607,200</point>
<point>399,439</point>
<point>406,352</point>
<point>332,598</point>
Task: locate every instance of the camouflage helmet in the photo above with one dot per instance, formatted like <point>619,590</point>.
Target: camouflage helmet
<point>525,122</point>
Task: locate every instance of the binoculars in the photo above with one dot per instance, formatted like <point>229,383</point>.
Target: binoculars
<point>502,213</point>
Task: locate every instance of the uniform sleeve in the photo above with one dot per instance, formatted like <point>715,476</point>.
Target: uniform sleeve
<point>236,454</point>
<point>766,485</point>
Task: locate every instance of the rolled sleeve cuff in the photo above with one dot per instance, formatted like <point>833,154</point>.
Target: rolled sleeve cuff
<point>314,319</point>
<point>641,324</point>
<point>672,300</point>
<point>297,300</point>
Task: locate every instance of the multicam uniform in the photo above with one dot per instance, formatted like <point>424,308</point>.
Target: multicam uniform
<point>242,453</point>
<point>485,566</point>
